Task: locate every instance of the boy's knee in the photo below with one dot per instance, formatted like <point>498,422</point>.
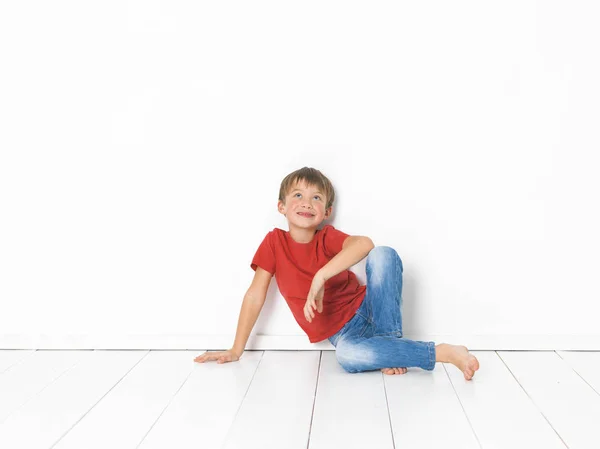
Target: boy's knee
<point>383,254</point>
<point>342,356</point>
<point>348,367</point>
<point>350,358</point>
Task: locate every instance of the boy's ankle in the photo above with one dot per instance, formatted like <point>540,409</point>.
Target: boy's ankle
<point>441,353</point>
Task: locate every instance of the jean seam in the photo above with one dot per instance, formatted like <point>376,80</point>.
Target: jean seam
<point>362,316</point>
<point>431,355</point>
<point>364,329</point>
<point>389,334</point>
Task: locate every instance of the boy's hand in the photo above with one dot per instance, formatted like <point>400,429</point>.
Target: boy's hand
<point>315,297</point>
<point>221,357</point>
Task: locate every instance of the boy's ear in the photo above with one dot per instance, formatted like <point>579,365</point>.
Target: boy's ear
<point>328,212</point>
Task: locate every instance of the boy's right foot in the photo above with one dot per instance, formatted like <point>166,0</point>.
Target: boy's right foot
<point>460,357</point>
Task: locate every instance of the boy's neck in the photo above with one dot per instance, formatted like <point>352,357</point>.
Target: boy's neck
<point>302,235</point>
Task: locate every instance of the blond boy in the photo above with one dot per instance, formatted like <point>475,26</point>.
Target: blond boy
<point>311,266</point>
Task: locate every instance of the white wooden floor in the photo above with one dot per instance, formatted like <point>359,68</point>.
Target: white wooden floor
<point>294,399</point>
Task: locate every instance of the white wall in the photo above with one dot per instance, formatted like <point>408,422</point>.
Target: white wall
<point>143,144</point>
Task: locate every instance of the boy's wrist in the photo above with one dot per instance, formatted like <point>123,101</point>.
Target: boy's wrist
<point>322,275</point>
<point>237,351</point>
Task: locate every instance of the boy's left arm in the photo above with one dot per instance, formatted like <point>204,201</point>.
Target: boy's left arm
<point>354,249</point>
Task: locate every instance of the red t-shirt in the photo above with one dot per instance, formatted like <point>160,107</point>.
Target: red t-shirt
<point>295,265</point>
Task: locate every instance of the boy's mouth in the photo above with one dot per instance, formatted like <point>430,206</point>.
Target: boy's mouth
<point>305,214</point>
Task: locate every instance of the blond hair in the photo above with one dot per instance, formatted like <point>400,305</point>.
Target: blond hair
<point>313,177</point>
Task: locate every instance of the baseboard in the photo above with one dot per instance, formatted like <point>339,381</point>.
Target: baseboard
<point>285,342</point>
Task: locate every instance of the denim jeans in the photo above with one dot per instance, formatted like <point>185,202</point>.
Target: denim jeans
<point>372,338</point>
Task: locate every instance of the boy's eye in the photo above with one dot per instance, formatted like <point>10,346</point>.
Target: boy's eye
<point>317,196</point>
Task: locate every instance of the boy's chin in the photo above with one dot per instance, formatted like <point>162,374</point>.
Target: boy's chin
<point>312,225</point>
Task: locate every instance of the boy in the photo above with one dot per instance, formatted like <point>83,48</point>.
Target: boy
<point>363,322</point>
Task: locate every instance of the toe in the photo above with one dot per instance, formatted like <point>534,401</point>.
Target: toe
<point>392,371</point>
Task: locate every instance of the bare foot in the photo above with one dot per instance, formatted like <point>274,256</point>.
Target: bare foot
<point>392,371</point>
<point>460,357</point>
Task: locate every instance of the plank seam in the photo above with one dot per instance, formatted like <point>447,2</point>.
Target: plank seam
<point>532,401</point>
<point>242,401</point>
<point>22,359</point>
<point>103,396</point>
<point>314,399</point>
<point>462,406</point>
<point>41,391</point>
<point>387,404</point>
<point>575,371</point>
<point>166,407</point>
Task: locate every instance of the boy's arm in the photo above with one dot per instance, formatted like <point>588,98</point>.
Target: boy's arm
<point>354,249</point>
<point>251,306</point>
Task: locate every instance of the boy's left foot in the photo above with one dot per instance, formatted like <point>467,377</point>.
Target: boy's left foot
<point>392,371</point>
<point>460,357</point>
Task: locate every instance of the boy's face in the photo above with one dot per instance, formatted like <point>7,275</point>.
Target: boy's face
<point>304,206</point>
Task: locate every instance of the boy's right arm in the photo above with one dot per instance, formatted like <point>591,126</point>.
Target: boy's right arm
<point>254,299</point>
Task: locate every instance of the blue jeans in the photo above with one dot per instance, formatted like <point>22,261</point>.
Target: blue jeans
<point>372,338</point>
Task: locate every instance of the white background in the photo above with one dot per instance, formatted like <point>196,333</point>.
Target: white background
<point>142,145</point>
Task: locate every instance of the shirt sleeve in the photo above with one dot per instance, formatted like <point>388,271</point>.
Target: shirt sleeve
<point>333,240</point>
<point>265,255</point>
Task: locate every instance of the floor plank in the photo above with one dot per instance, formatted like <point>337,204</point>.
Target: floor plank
<point>570,405</point>
<point>276,411</point>
<point>10,357</point>
<point>500,412</point>
<point>124,416</point>
<point>294,399</point>
<point>425,411</point>
<point>54,411</point>
<point>23,381</point>
<point>350,409</point>
<point>204,409</point>
<point>586,364</point>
